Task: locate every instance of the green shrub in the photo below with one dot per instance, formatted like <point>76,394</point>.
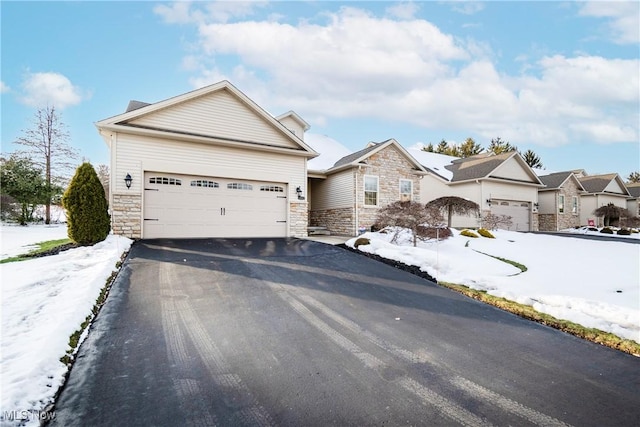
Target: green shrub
<point>87,215</point>
<point>624,232</point>
<point>485,233</point>
<point>361,241</point>
<point>468,233</point>
<point>606,230</point>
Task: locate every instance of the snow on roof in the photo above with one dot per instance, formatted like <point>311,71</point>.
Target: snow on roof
<point>330,151</point>
<point>433,161</point>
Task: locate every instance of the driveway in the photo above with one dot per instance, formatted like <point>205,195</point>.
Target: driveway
<point>298,333</point>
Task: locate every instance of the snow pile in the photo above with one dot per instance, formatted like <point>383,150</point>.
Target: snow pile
<point>17,239</point>
<point>43,301</point>
<point>591,282</point>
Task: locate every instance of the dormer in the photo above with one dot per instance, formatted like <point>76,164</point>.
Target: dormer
<point>294,123</point>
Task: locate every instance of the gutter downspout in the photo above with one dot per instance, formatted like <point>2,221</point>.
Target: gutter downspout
<point>356,216</point>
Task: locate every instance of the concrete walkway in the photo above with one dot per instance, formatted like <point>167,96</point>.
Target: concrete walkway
<point>330,240</point>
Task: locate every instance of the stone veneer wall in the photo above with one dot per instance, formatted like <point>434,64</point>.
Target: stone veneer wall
<point>535,222</point>
<point>126,215</point>
<point>547,222</point>
<point>337,221</point>
<point>298,219</point>
<point>390,167</point>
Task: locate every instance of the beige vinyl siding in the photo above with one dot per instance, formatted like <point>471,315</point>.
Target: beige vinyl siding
<point>335,192</point>
<point>614,187</point>
<point>218,114</point>
<point>201,159</point>
<point>547,200</point>
<point>294,126</point>
<point>507,191</point>
<point>589,203</point>
<point>512,169</point>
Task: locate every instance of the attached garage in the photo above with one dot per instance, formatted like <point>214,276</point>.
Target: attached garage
<point>518,211</point>
<point>208,163</point>
<point>195,206</point>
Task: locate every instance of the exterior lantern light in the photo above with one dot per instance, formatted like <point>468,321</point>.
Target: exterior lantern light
<point>299,193</point>
<point>489,202</point>
<point>127,180</point>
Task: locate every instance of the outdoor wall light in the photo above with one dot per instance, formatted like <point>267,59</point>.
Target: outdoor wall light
<point>299,193</point>
<point>489,202</point>
<point>536,205</point>
<point>127,180</point>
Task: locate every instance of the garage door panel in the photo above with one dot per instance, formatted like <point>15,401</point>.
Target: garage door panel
<point>213,207</point>
<point>518,211</point>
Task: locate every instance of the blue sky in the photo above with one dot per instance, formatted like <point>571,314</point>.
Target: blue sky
<point>560,78</point>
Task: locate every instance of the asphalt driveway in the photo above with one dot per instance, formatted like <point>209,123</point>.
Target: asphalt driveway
<point>299,333</point>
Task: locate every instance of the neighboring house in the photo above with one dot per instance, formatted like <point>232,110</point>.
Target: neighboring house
<point>633,202</point>
<point>501,184</point>
<point>207,163</point>
<point>559,201</point>
<point>346,197</point>
<point>600,191</point>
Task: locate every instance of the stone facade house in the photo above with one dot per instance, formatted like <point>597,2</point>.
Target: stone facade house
<point>207,163</point>
<point>600,190</point>
<point>501,184</point>
<point>345,198</point>
<point>559,201</point>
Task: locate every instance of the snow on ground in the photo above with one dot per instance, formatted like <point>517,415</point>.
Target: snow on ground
<point>43,301</point>
<point>591,282</point>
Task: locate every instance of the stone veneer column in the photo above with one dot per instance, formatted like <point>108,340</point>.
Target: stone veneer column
<point>298,219</point>
<point>126,215</point>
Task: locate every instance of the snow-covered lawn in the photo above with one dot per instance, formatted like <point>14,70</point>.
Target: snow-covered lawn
<point>43,301</point>
<point>591,282</point>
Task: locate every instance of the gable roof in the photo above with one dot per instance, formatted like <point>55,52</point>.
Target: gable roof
<point>557,180</point>
<point>306,126</point>
<point>359,157</point>
<point>634,189</point>
<point>598,183</point>
<point>137,110</point>
<point>486,166</point>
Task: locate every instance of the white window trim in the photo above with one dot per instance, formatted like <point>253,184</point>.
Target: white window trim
<point>561,203</point>
<point>410,188</point>
<point>364,191</point>
<point>575,203</point>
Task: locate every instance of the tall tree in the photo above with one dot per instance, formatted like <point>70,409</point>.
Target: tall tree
<point>46,144</point>
<point>442,147</point>
<point>633,177</point>
<point>499,146</point>
<point>23,181</point>
<point>454,205</point>
<point>429,148</point>
<point>532,159</point>
<point>470,148</point>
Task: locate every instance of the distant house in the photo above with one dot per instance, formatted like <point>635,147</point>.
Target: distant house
<point>633,202</point>
<point>600,190</point>
<point>559,201</point>
<point>501,184</point>
<point>347,196</point>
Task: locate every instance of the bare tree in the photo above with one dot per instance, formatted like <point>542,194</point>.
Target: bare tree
<point>103,176</point>
<point>46,145</point>
<point>410,215</point>
<point>454,205</point>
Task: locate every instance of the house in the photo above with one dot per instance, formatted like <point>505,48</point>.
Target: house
<point>633,202</point>
<point>501,184</point>
<point>600,190</point>
<point>207,163</point>
<point>345,198</point>
<point>559,201</point>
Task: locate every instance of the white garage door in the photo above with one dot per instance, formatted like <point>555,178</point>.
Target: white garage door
<point>196,206</point>
<point>518,211</point>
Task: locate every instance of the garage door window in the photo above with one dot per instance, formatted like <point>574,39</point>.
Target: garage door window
<point>204,183</point>
<point>273,188</point>
<point>164,180</point>
<point>239,186</point>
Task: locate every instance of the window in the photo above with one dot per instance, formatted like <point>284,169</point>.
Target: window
<point>561,203</point>
<point>370,190</point>
<point>164,180</point>
<point>574,204</point>
<point>406,189</point>
<point>239,186</point>
<point>274,188</point>
<point>204,183</point>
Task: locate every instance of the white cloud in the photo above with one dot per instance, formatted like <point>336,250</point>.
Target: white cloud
<point>405,10</point>
<point>466,7</point>
<point>624,23</point>
<point>181,12</point>
<point>354,64</point>
<point>4,88</point>
<point>40,89</point>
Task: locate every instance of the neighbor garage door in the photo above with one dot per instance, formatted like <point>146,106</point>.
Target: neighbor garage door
<point>518,211</point>
<point>196,206</point>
